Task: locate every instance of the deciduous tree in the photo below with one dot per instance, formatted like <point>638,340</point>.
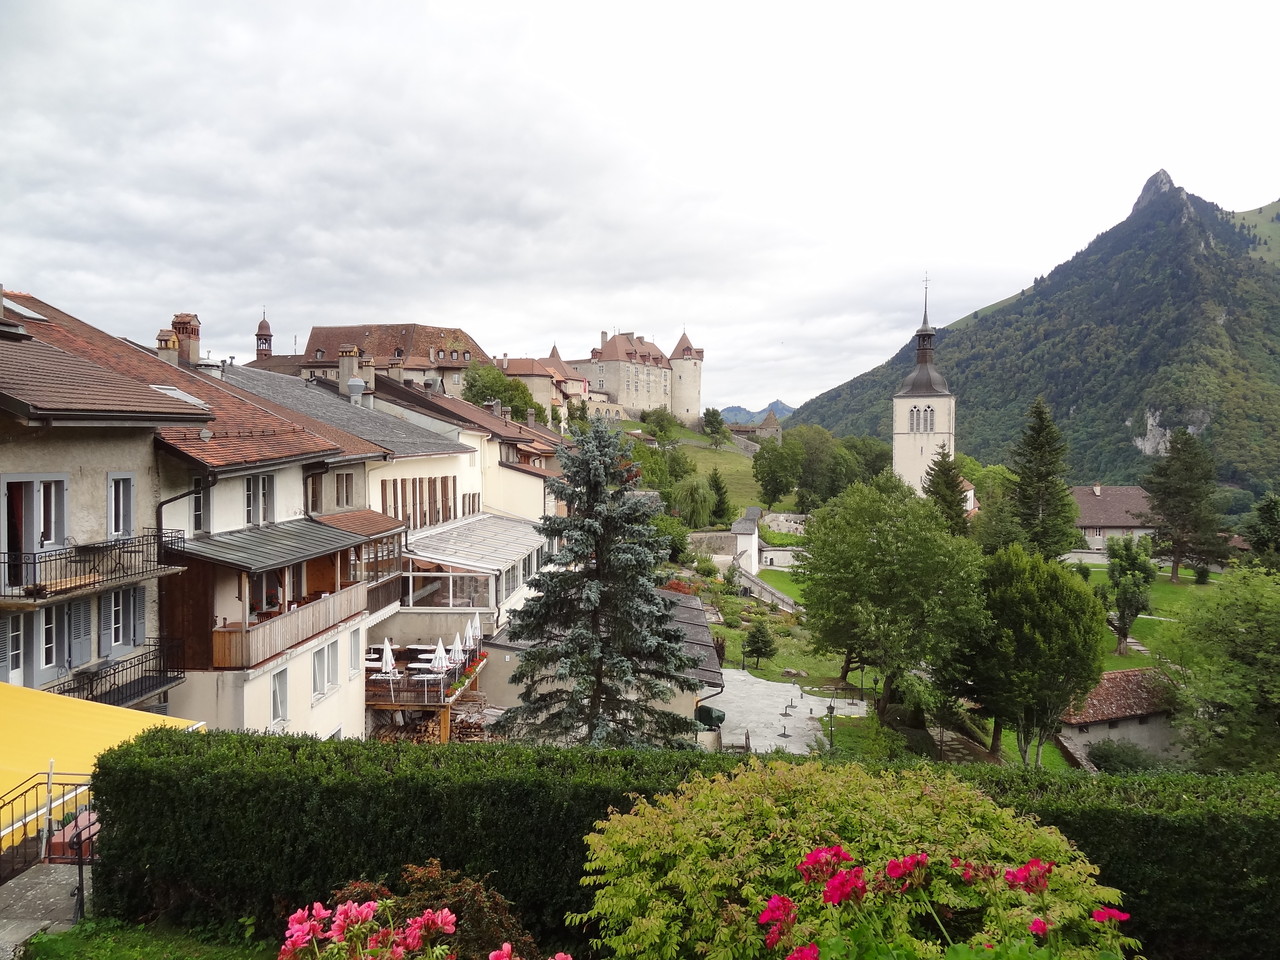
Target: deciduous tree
<point>1180,489</point>
<point>886,585</point>
<point>776,467</point>
<point>602,656</point>
<point>1042,501</point>
<point>1130,574</point>
<point>692,500</point>
<point>1262,532</point>
<point>484,382</point>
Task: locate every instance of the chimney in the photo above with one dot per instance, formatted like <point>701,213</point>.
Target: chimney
<point>1097,490</point>
<point>604,338</point>
<point>506,413</point>
<point>348,361</point>
<point>395,369</point>
<point>366,371</point>
<point>529,414</point>
<point>504,361</point>
<point>187,327</point>
<point>167,346</point>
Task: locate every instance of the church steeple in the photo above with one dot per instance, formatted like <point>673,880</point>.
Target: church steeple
<point>923,411</point>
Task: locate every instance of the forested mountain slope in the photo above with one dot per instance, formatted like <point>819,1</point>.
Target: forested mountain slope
<point>1169,319</point>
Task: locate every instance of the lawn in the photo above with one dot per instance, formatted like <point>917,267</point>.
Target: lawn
<point>112,940</point>
<point>784,582</point>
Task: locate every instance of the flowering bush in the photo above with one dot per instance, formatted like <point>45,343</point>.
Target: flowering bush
<point>366,930</point>
<point>698,866</point>
<point>857,919</point>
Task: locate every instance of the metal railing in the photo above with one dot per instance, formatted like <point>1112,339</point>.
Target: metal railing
<point>38,817</point>
<point>85,566</point>
<point>125,682</point>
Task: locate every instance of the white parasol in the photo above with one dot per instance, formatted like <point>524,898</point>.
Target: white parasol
<point>440,659</point>
<point>456,654</point>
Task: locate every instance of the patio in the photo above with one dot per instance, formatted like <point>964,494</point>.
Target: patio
<point>420,673</point>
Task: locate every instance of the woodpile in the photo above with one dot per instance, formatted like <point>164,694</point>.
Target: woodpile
<point>467,721</point>
<point>424,730</point>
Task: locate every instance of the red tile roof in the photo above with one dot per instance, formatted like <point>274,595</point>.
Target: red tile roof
<point>1120,695</point>
<point>419,344</point>
<point>629,348</point>
<point>1110,506</point>
<point>241,434</point>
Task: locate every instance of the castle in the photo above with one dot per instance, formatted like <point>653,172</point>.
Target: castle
<point>637,376</point>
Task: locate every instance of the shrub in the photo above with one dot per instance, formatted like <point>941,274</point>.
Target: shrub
<point>733,621</point>
<point>1084,570</point>
<point>687,874</point>
<point>705,567</point>
<point>1202,575</point>
<point>1123,756</point>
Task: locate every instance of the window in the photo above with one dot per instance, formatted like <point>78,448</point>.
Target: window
<point>453,354</point>
<point>113,618</point>
<point>49,637</point>
<point>120,506</point>
<point>466,355</point>
<point>314,498</point>
<point>913,419</point>
<point>355,653</point>
<point>259,498</point>
<point>601,384</point>
<point>13,633</point>
<point>53,512</point>
<point>280,697</point>
<point>439,354</point>
<point>324,669</point>
<point>346,484</point>
<point>457,378</point>
<point>928,420</point>
<point>197,506</point>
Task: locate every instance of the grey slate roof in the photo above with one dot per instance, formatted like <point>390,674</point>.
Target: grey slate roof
<point>688,614</point>
<point>256,549</point>
<point>402,438</point>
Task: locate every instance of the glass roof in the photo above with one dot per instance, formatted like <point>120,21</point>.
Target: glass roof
<point>485,542</point>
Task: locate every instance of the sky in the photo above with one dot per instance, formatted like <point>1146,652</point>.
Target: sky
<point>775,179</point>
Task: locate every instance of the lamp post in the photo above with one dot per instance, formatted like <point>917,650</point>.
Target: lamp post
<point>831,723</point>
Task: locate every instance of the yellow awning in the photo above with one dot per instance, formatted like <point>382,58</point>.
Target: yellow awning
<point>46,726</point>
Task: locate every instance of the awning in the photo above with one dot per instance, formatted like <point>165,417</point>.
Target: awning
<point>256,549</point>
<point>485,543</point>
<point>69,731</point>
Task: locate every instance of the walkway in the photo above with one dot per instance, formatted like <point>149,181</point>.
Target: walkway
<point>41,898</point>
<point>778,716</point>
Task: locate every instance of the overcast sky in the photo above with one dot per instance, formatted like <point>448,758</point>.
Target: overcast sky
<point>775,179</point>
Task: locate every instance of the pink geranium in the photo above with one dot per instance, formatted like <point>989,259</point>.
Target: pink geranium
<point>781,912</point>
<point>1109,913</point>
<point>845,884</point>
<point>808,952</point>
<point>1039,926</point>
<point>819,864</point>
<point>1033,876</point>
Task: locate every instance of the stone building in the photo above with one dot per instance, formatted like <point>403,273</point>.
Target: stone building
<point>635,374</point>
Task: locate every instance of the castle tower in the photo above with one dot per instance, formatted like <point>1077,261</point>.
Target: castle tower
<point>686,381</point>
<point>924,413</point>
<point>263,338</point>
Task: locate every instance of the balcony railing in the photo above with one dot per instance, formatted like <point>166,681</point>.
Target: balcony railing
<point>85,567</point>
<point>123,683</point>
<point>386,592</point>
<point>237,645</point>
<point>416,688</point>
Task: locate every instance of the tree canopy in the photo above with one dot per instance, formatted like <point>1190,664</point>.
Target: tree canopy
<point>886,584</point>
<point>484,382</point>
<point>776,467</point>
<point>1180,489</point>
<point>1130,574</point>
<point>1262,532</point>
<point>1042,502</point>
<point>1229,693</point>
<point>602,656</point>
<point>945,487</point>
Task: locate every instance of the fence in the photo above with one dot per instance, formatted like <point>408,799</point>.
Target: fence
<point>38,818</point>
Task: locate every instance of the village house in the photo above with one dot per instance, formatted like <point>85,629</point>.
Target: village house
<point>1125,705</point>
<point>1110,512</point>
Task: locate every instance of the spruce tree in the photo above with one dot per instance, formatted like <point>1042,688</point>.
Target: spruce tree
<point>1042,502</point>
<point>723,511</point>
<point>603,655</point>
<point>1180,489</point>
<point>945,487</point>
<point>759,642</point>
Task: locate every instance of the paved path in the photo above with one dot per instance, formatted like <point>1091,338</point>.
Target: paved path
<point>779,716</point>
<point>37,899</point>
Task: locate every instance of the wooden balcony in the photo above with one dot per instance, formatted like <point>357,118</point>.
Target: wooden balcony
<point>237,646</point>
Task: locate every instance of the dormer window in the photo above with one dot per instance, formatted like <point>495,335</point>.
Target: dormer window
<point>453,354</point>
<point>466,355</point>
<point>319,354</point>
<point>439,354</point>
<point>399,353</point>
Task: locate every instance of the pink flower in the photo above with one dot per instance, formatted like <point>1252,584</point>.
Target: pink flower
<point>503,954</point>
<point>819,864</point>
<point>562,956</point>
<point>1039,926</point>
<point>809,952</point>
<point>844,884</point>
<point>781,912</point>
<point>350,914</point>
<point>1109,913</point>
<point>1033,877</point>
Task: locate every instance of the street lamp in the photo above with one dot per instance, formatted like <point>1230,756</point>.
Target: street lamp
<point>831,723</point>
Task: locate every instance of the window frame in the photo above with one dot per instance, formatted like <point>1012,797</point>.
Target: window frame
<point>280,697</point>
<point>344,488</point>
<point>120,505</point>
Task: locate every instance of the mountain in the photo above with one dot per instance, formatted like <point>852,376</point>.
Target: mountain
<point>743,415</point>
<point>1171,318</point>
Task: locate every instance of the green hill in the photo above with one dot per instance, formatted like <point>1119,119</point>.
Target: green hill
<point>1169,319</point>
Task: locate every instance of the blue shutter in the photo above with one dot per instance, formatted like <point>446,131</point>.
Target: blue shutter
<point>139,616</point>
<point>79,623</point>
<point>104,625</point>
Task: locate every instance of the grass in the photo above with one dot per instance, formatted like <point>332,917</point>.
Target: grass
<point>112,940</point>
<point>783,582</point>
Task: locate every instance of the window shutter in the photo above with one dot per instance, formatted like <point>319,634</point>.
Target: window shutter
<point>139,616</point>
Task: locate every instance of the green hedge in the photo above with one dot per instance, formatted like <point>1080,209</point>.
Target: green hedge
<point>1198,857</point>
<point>219,826</point>
<point>222,825</point>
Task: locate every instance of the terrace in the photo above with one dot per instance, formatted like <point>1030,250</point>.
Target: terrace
<point>31,580</point>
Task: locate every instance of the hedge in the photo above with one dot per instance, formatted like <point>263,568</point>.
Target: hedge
<point>214,827</point>
<point>220,826</point>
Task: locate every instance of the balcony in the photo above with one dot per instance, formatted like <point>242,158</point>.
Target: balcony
<point>238,646</point>
<point>33,579</point>
<point>124,683</point>
<point>421,689</point>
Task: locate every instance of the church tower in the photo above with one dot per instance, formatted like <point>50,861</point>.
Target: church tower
<point>924,413</point>
<point>263,338</point>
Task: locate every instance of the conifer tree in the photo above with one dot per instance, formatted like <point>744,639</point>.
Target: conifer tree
<point>759,642</point>
<point>1042,501</point>
<point>1180,489</point>
<point>945,487</point>
<point>603,656</point>
<point>723,511</point>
